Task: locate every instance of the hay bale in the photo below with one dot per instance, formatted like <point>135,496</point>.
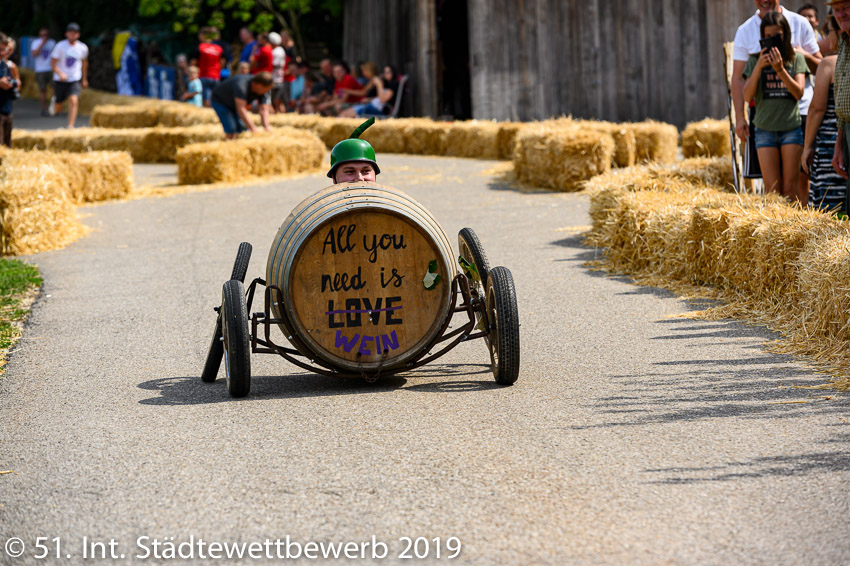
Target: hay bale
<point>561,159</point>
<point>386,137</point>
<point>36,213</point>
<point>284,151</point>
<point>145,145</point>
<point>98,175</point>
<point>655,141</point>
<point>475,138</point>
<point>135,116</point>
<point>508,132</point>
<point>423,136</point>
<point>181,115</point>
<point>706,138</point>
<point>90,98</point>
<point>710,171</point>
<point>823,273</point>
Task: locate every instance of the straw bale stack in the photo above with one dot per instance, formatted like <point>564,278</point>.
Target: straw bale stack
<point>90,97</point>
<point>625,146</point>
<point>98,175</point>
<point>823,273</point>
<point>300,121</point>
<point>386,137</point>
<point>423,136</point>
<point>561,159</point>
<point>474,138</point>
<point>706,138</point>
<point>36,213</point>
<point>181,115</point>
<point>710,171</point>
<point>115,116</point>
<point>146,145</point>
<point>508,132</point>
<point>283,151</point>
<point>655,141</point>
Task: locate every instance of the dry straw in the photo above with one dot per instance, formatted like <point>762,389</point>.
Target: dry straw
<point>561,158</point>
<point>475,138</point>
<point>707,138</point>
<point>281,152</point>
<point>773,263</point>
<point>655,141</point>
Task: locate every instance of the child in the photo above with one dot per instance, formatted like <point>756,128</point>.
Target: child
<point>194,88</point>
<point>775,78</point>
<point>9,84</point>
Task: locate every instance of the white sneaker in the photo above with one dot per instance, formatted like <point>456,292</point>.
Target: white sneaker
<point>51,109</point>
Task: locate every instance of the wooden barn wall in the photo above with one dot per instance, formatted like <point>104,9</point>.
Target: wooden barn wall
<point>619,60</point>
<point>400,33</point>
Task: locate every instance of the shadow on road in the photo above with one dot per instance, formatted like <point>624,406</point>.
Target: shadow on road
<point>192,391</point>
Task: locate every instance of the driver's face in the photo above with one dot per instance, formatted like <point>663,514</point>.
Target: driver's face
<point>355,172</point>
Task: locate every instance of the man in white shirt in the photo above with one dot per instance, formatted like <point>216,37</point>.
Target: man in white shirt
<point>70,64</point>
<point>41,49</point>
<point>747,43</point>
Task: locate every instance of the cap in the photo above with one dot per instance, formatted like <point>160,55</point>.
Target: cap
<point>274,38</point>
<point>73,27</point>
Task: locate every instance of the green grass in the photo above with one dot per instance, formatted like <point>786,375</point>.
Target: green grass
<point>17,281</point>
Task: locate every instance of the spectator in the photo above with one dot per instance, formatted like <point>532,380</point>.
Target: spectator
<point>344,86</point>
<point>208,59</point>
<point>194,89</point>
<point>233,97</point>
<point>243,68</point>
<point>827,190</point>
<point>70,63</point>
<point>246,36</point>
<point>378,93</point>
<point>9,83</point>
<point>298,83</point>
<point>776,78</point>
<point>747,43</point>
<point>810,12</point>
<point>181,75</point>
<point>226,53</point>
<point>262,59</point>
<point>41,48</point>
<point>279,96</point>
<point>841,154</point>
<point>322,88</point>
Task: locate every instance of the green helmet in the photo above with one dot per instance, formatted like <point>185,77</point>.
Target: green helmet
<point>354,149</point>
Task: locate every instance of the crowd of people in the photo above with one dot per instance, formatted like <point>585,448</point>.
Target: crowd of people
<point>789,113</point>
<point>333,90</point>
<point>266,75</point>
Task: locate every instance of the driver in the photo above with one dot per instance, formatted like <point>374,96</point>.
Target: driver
<point>353,159</point>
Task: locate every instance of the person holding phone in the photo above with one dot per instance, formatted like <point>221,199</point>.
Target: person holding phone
<point>775,78</point>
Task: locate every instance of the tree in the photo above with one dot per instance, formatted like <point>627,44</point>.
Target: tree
<point>258,15</point>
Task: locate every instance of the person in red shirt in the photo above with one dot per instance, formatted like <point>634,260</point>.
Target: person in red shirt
<point>262,58</point>
<point>208,59</point>
<point>342,97</point>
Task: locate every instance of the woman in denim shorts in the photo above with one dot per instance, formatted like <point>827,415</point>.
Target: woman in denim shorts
<point>775,78</point>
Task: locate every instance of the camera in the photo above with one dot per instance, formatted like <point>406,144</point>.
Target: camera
<point>772,41</point>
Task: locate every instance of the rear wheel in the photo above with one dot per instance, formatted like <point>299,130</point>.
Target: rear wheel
<point>216,351</point>
<point>503,316</point>
<point>237,345</point>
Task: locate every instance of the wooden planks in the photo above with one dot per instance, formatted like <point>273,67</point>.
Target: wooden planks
<point>617,60</point>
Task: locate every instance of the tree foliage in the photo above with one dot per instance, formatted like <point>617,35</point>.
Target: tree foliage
<point>258,15</point>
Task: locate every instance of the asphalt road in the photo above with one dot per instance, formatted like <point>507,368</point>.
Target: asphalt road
<point>630,438</point>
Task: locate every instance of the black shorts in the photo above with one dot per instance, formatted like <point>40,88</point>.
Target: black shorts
<point>63,90</point>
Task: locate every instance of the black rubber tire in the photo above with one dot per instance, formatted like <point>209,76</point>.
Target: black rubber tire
<point>216,351</point>
<point>503,317</point>
<point>214,355</point>
<point>472,251</point>
<point>240,266</point>
<point>237,345</point>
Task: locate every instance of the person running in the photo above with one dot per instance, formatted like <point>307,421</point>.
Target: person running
<point>70,63</point>
<point>41,48</point>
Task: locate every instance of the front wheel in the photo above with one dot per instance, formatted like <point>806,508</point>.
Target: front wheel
<point>237,344</point>
<point>503,316</point>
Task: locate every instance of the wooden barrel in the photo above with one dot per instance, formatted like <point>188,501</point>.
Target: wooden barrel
<point>366,276</point>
